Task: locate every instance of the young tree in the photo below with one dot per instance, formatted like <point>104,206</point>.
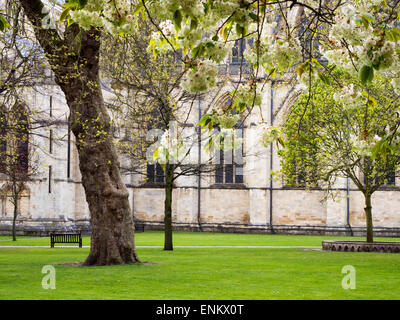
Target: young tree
<point>337,138</point>
<point>151,105</point>
<point>22,66</point>
<point>18,162</point>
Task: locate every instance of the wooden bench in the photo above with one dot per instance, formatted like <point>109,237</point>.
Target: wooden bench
<point>57,237</point>
<point>139,226</point>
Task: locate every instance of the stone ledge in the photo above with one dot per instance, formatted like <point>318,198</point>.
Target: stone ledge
<point>361,246</point>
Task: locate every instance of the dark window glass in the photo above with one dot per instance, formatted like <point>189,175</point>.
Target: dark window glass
<point>237,50</point>
<point>155,173</point>
<point>229,173</point>
<point>219,172</point>
<point>150,172</point>
<point>23,137</point>
<point>230,167</point>
<point>239,174</point>
<point>159,173</point>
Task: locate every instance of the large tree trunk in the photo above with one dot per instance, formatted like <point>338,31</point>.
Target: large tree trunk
<point>169,179</point>
<point>368,218</point>
<point>75,63</point>
<point>111,218</point>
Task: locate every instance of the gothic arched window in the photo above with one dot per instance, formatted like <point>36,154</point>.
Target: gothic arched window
<point>21,136</point>
<point>229,168</point>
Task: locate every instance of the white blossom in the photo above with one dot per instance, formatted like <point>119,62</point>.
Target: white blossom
<point>268,134</point>
<point>202,77</point>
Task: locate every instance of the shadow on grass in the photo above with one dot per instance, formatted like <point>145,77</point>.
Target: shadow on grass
<point>80,264</point>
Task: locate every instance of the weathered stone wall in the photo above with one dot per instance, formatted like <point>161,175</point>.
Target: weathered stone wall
<point>244,207</point>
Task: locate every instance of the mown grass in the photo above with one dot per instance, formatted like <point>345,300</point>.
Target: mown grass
<point>156,238</point>
<point>203,273</point>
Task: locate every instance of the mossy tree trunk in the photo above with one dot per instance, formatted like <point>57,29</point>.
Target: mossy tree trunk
<point>74,60</point>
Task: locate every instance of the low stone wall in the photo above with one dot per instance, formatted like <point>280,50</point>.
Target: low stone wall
<point>361,246</point>
<point>276,229</point>
<point>43,227</point>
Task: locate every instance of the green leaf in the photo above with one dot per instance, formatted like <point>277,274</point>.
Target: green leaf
<point>241,106</point>
<point>138,8</point>
<point>254,17</point>
<point>370,99</point>
<point>155,155</point>
<point>389,35</point>
<point>3,23</point>
<point>226,32</point>
<point>377,148</point>
<point>358,21</point>
<point>71,4</point>
<point>177,19</point>
<point>302,67</point>
<point>193,24</point>
<point>239,30</point>
<point>209,145</point>
<point>366,74</point>
<point>65,14</point>
<point>396,33</point>
<point>82,3</point>
<point>210,124</point>
<point>365,22</point>
<point>368,17</point>
<point>203,120</point>
<point>281,141</point>
<point>324,78</point>
<point>315,63</point>
<point>393,34</point>
<point>234,103</point>
<point>210,44</point>
<point>197,51</point>
<point>206,8</point>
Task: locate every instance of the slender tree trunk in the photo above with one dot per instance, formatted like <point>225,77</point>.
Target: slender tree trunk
<point>75,63</point>
<point>368,218</point>
<point>14,231</point>
<point>169,179</point>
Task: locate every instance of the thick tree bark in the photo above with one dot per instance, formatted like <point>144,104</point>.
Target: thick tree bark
<point>169,179</point>
<point>75,64</point>
<point>368,218</point>
<point>111,218</point>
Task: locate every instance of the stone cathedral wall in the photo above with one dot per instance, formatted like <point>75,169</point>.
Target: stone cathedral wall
<point>56,201</point>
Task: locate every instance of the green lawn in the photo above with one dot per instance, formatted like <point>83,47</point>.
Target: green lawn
<point>202,273</point>
<point>156,238</point>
